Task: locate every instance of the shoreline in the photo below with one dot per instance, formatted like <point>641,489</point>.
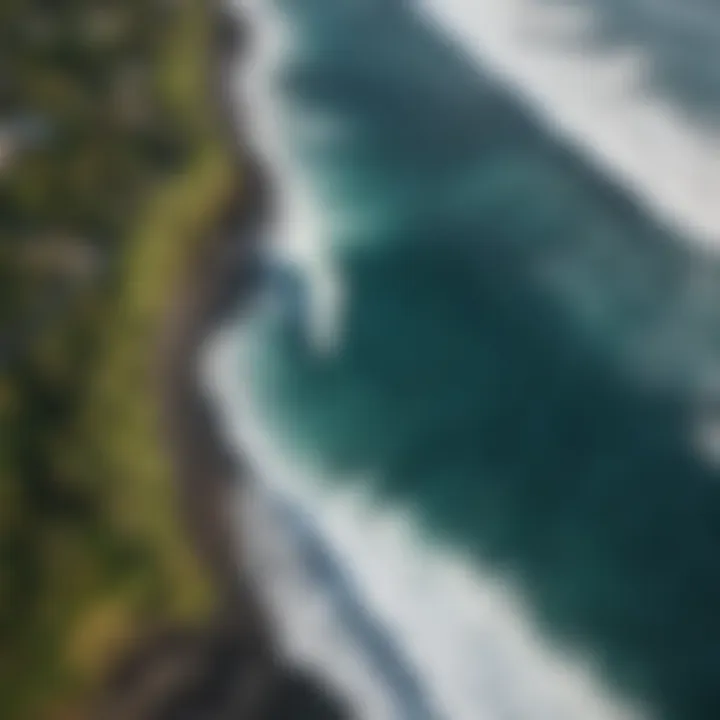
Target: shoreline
<point>242,653</point>
<point>211,286</point>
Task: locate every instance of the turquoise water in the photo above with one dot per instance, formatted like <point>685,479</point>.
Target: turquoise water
<point>519,353</point>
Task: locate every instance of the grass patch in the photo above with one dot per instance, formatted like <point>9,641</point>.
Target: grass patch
<point>92,549</point>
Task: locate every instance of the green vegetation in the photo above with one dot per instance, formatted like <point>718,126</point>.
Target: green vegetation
<point>111,173</point>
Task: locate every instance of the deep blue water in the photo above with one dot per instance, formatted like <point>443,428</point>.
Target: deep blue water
<point>519,356</point>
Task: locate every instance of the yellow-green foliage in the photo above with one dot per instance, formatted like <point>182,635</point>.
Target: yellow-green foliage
<point>91,548</point>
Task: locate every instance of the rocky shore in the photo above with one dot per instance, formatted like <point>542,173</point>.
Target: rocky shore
<point>230,669</point>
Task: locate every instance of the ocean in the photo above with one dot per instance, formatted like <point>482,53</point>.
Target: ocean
<point>478,386</point>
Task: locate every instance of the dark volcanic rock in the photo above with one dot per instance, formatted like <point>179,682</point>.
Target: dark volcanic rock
<point>216,674</point>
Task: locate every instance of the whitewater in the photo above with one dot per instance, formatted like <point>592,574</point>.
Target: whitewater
<point>404,625</point>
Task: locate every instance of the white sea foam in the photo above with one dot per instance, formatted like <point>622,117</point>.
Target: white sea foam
<point>599,102</point>
<point>467,635</point>
<point>463,632</point>
<point>298,230</point>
